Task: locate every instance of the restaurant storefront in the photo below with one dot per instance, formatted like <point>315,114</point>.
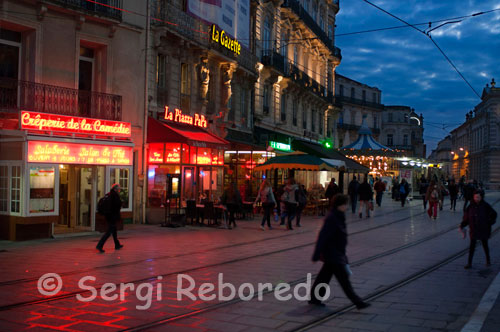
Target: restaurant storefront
<point>54,169</point>
<point>185,162</point>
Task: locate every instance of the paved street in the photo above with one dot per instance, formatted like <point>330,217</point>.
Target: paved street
<point>408,266</point>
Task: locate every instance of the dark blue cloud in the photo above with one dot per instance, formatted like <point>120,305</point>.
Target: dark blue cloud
<point>409,69</point>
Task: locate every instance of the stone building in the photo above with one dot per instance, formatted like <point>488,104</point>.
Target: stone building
<point>294,94</point>
<point>403,129</point>
<point>442,155</point>
<point>475,144</point>
<point>359,101</point>
<point>73,61</point>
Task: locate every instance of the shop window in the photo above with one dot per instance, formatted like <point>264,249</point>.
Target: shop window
<point>122,177</point>
<point>185,154</point>
<point>156,153</point>
<point>204,156</point>
<point>15,189</point>
<point>172,153</point>
<point>193,152</point>
<point>42,189</point>
<point>4,188</point>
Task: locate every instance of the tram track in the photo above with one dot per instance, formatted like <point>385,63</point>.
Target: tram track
<point>93,269</point>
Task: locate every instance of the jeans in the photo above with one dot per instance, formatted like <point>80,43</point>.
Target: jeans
<point>472,248</point>
<point>110,231</point>
<point>425,203</point>
<point>300,208</point>
<point>325,275</point>
<point>453,203</point>
<point>354,202</point>
<point>291,209</point>
<point>432,208</point>
<point>403,199</point>
<point>231,209</point>
<point>379,198</point>
<point>268,209</point>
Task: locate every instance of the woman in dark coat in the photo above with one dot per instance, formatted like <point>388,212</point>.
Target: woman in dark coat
<point>331,250</point>
<point>453,189</point>
<point>365,194</point>
<point>479,216</point>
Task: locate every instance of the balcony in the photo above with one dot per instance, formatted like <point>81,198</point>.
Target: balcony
<point>348,126</point>
<point>197,31</point>
<point>295,7</point>
<point>275,60</point>
<point>349,100</point>
<point>109,8</point>
<point>29,96</point>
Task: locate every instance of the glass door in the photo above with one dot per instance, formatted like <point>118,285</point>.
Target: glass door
<point>188,184</point>
<point>84,197</point>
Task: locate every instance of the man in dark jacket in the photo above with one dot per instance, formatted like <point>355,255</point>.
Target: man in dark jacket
<point>112,217</point>
<point>424,186</point>
<point>352,191</point>
<point>365,194</point>
<point>404,191</point>
<point>331,250</point>
<point>479,216</point>
<point>468,193</point>
<point>332,190</point>
<point>379,189</point>
<point>453,190</point>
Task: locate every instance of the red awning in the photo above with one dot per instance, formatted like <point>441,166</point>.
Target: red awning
<point>161,132</point>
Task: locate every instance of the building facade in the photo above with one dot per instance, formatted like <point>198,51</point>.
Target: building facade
<point>359,101</point>
<point>442,155</point>
<point>71,122</point>
<point>475,145</point>
<point>403,129</point>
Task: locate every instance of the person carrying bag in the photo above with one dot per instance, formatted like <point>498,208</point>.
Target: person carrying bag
<point>266,197</point>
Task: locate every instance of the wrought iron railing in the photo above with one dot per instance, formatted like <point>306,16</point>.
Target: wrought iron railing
<point>108,8</point>
<point>16,95</point>
<point>296,7</point>
<point>350,100</point>
<point>348,126</point>
<point>193,29</point>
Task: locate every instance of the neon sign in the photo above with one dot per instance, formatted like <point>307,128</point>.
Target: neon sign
<point>71,153</point>
<point>222,38</point>
<point>73,124</point>
<point>177,116</point>
<point>280,146</point>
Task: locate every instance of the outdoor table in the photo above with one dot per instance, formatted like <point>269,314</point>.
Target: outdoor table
<point>323,206</point>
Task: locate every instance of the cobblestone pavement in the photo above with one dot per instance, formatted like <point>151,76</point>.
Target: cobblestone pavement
<point>392,245</point>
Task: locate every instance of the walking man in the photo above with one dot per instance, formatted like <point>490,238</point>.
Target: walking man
<point>111,210</point>
<point>404,190</point>
<point>331,250</point>
<point>379,189</point>
<point>453,189</point>
<point>479,216</point>
<point>352,190</point>
<point>290,199</point>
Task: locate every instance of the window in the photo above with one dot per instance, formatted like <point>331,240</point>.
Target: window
<point>161,80</point>
<point>412,136</point>
<point>85,69</point>
<point>266,97</point>
<point>42,189</point>
<point>330,31</point>
<point>244,109</point>
<point>122,177</point>
<point>314,10</point>
<point>185,79</point>
<point>283,108</point>
<point>313,120</point>
<point>353,118</point>
<point>4,188</point>
<point>389,117</point>
<point>364,95</point>
<point>341,118</point>
<point>15,189</point>
<point>321,123</point>
<point>341,90</point>
<point>10,44</point>
<point>304,117</point>
<point>284,45</point>
<point>406,118</point>
<point>328,127</point>
<point>352,93</point>
<point>390,139</point>
<point>321,20</point>
<point>294,112</point>
<point>375,125</point>
<point>374,97</point>
<point>405,140</point>
<point>266,35</point>
<point>295,56</point>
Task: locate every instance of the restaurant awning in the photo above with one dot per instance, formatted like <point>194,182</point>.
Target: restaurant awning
<point>320,151</point>
<point>161,132</point>
<point>300,161</point>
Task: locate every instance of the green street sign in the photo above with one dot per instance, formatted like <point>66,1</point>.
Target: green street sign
<point>280,146</point>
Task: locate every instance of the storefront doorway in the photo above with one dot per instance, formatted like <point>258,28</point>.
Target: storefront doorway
<point>80,188</point>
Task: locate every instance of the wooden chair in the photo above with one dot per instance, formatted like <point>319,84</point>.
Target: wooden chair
<point>209,213</point>
<point>191,210</point>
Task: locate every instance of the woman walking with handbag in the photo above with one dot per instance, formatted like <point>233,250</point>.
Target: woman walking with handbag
<point>266,196</point>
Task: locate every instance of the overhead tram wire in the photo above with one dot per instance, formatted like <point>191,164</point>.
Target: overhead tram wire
<point>433,41</point>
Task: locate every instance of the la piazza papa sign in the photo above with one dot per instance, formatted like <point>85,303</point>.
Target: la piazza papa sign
<point>220,36</point>
<point>177,116</point>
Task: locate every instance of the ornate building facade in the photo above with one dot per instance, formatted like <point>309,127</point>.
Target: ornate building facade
<point>359,101</point>
<point>475,144</point>
<point>403,129</point>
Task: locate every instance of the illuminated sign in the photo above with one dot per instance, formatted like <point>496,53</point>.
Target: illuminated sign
<point>177,116</point>
<point>156,153</point>
<point>73,124</point>
<point>71,153</point>
<point>327,144</point>
<point>280,146</point>
<point>220,36</point>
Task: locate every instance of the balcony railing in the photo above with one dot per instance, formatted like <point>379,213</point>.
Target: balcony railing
<point>350,100</point>
<point>107,8</point>
<point>29,96</point>
<point>193,29</point>
<point>348,126</point>
<point>296,7</point>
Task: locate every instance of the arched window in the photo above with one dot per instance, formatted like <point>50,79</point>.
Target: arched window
<point>284,45</point>
<point>266,35</point>
<point>295,55</point>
